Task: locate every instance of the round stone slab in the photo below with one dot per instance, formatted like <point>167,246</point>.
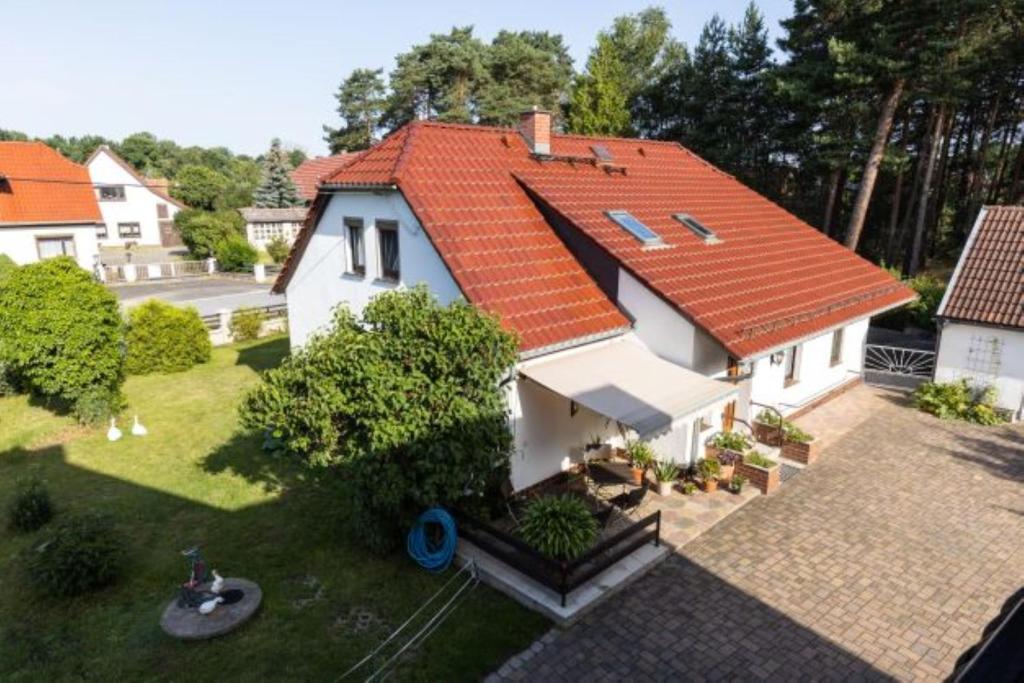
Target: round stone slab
<point>188,624</point>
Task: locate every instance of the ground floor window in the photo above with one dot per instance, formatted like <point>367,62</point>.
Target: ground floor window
<point>129,230</point>
<point>51,247</point>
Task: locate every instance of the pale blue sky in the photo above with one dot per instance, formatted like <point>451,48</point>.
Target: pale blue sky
<point>232,73</point>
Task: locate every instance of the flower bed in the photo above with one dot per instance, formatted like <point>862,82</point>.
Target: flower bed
<point>802,452</point>
<point>762,473</point>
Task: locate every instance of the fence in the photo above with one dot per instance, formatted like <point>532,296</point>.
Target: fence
<point>275,319</point>
<point>897,366</point>
<point>135,272</point>
<point>561,577</point>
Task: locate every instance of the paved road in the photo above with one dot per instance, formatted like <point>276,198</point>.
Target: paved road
<point>208,294</point>
<point>884,560</point>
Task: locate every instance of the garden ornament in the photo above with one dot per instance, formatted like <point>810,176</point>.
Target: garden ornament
<point>113,434</point>
<point>218,583</point>
<point>210,605</point>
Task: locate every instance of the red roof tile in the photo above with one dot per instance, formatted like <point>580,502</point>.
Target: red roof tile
<point>42,186</point>
<point>772,279</point>
<point>308,174</point>
<point>988,284</point>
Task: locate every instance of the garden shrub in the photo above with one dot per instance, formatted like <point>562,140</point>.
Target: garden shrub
<point>561,527</point>
<point>731,441</point>
<point>62,330</point>
<point>234,253</point>
<point>165,338</point>
<point>246,323</point>
<point>278,249</point>
<point>406,400</point>
<point>7,266</point>
<point>84,553</point>
<point>31,507</point>
<point>202,231</point>
<point>958,401</point>
<point>920,312</point>
<point>97,404</point>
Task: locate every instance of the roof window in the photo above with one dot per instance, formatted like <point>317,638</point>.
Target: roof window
<point>633,226</point>
<point>601,152</point>
<point>697,228</point>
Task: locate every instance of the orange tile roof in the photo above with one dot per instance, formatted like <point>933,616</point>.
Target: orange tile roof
<point>988,285</point>
<point>308,174</point>
<point>42,186</point>
<point>772,279</point>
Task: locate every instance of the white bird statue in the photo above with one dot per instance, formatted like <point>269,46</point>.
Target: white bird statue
<point>210,605</point>
<point>113,434</point>
<point>218,583</point>
<point>138,429</point>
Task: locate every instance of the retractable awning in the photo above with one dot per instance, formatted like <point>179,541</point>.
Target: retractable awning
<point>628,383</point>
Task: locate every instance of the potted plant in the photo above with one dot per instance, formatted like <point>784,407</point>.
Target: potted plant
<point>727,441</point>
<point>709,470</point>
<point>766,428</point>
<point>798,445</point>
<point>762,472</point>
<point>736,483</point>
<point>595,448</point>
<point>689,488</point>
<point>727,460</point>
<point>640,455</point>
<point>665,472</point>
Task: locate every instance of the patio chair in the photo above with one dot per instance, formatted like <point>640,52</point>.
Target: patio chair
<point>629,503</point>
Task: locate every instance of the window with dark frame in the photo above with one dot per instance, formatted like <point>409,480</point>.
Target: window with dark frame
<point>356,246</point>
<point>697,228</point>
<point>387,235</point>
<point>111,193</point>
<point>790,377</point>
<point>837,347</point>
<point>52,247</point>
<point>161,211</point>
<point>129,230</point>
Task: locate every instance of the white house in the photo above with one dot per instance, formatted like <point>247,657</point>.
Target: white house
<point>263,225</point>
<point>47,206</point>
<point>135,209</point>
<point>981,316</point>
<point>652,294</point>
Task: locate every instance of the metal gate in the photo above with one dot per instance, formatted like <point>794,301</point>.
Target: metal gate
<point>897,366</point>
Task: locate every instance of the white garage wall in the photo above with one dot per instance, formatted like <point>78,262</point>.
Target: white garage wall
<point>952,362</point>
<point>20,243</point>
<point>320,281</point>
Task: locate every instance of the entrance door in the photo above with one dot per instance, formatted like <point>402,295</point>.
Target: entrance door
<point>169,237</point>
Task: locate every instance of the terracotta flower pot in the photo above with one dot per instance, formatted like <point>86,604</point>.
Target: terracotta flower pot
<point>711,485</point>
<point>638,476</point>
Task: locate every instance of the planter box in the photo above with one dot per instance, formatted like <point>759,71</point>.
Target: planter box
<point>769,435</point>
<point>766,480</point>
<point>805,453</point>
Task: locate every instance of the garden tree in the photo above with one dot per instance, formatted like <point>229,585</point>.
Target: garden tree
<point>202,231</point>
<point>78,149</point>
<point>712,86</point>
<point>296,157</point>
<point>199,187</point>
<point>406,401</point>
<point>525,69</point>
<point>7,135</point>
<point>62,334</point>
<point>277,189</point>
<point>752,100</point>
<point>141,150</point>
<point>165,338</point>
<point>361,99</point>
<point>600,96</point>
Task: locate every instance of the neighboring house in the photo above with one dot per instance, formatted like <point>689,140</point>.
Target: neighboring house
<point>652,293</point>
<point>135,209</point>
<point>309,173</point>
<point>47,206</point>
<point>264,225</point>
<point>981,316</point>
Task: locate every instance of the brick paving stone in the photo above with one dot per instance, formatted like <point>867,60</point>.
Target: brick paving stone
<point>884,560</point>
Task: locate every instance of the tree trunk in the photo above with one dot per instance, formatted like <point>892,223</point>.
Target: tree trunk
<point>867,181</point>
<point>935,140</point>
<point>894,218</point>
<point>936,204</point>
<point>830,203</point>
<point>978,167</point>
<point>1015,194</point>
<point>1004,153</point>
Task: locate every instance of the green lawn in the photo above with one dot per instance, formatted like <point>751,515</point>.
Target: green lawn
<point>195,480</point>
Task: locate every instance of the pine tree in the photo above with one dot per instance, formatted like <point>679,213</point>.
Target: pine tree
<point>277,189</point>
<point>600,97</point>
<point>525,69</point>
<point>361,100</point>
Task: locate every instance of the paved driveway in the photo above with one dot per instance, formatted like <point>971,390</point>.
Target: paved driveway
<point>883,560</point>
<point>208,294</point>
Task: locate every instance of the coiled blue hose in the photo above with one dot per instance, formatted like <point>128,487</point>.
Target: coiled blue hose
<point>434,557</point>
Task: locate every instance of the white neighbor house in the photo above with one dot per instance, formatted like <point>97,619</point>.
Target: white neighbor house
<point>47,206</point>
<point>135,209</point>
<point>630,321</point>
<point>981,316</point>
<point>263,225</point>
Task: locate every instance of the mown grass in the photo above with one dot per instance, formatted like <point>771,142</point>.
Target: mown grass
<point>195,479</point>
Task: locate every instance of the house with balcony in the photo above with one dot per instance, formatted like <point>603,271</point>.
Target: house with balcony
<point>654,295</point>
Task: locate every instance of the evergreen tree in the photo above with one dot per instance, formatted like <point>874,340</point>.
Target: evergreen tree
<point>600,97</point>
<point>524,69</point>
<point>361,99</point>
<point>277,189</point>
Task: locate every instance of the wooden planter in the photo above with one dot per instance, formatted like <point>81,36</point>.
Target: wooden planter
<point>769,435</point>
<point>805,453</point>
<point>765,479</point>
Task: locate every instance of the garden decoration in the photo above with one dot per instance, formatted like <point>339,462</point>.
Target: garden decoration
<point>207,608</point>
<point>197,574</point>
<point>113,434</point>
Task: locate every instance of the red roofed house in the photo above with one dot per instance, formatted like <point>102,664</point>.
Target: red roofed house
<point>981,316</point>
<point>47,206</point>
<point>309,173</point>
<point>651,292</point>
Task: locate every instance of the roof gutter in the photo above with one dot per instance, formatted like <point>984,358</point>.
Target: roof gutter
<point>573,343</point>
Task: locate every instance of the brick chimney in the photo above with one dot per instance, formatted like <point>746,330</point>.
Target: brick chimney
<point>535,127</point>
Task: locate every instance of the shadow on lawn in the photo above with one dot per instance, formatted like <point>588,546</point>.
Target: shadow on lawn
<point>264,354</point>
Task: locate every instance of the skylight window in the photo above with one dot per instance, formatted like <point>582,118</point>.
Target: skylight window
<point>601,152</point>
<point>697,228</point>
<point>633,226</point>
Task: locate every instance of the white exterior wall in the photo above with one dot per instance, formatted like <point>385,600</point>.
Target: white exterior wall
<point>289,230</point>
<point>139,205</point>
<point>814,371</point>
<point>321,280</point>
<point>1007,376</point>
<point>20,242</point>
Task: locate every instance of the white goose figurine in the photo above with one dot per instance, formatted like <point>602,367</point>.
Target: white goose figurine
<point>138,429</point>
<point>113,434</point>
<point>218,583</point>
<point>210,605</point>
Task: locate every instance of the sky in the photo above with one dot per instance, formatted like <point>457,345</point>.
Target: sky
<point>231,73</point>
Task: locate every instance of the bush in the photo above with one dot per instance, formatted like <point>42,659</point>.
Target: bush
<point>278,249</point>
<point>62,330</point>
<point>246,323</point>
<point>958,401</point>
<point>234,253</point>
<point>406,400</point>
<point>97,404</point>
<point>919,313</point>
<point>731,441</point>
<point>8,382</point>
<point>202,231</point>
<point>83,554</point>
<point>30,508</point>
<point>561,527</point>
<point>165,338</point>
<point>7,266</point>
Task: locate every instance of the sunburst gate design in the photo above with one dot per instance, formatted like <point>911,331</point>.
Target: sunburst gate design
<point>899,361</point>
